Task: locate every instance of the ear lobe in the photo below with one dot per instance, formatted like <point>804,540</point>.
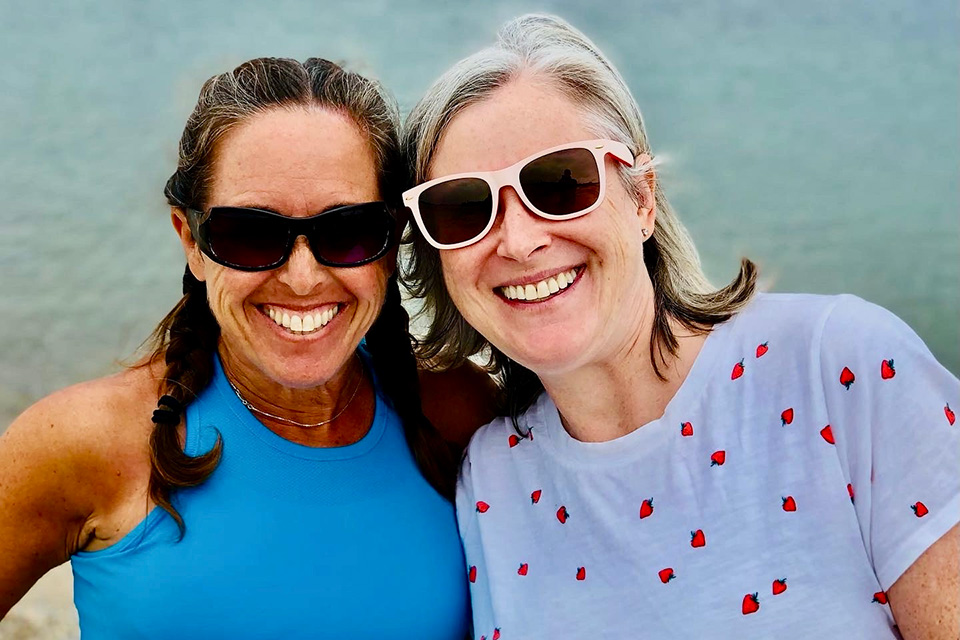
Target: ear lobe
<point>191,251</point>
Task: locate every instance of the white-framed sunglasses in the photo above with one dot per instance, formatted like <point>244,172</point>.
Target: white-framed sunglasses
<point>559,183</point>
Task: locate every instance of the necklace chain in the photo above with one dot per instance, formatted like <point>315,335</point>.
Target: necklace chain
<point>294,422</point>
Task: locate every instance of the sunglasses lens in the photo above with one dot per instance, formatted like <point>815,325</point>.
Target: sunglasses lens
<point>562,183</point>
<point>245,239</point>
<point>352,235</point>
<point>457,210</point>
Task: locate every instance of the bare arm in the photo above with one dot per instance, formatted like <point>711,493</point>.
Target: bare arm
<point>925,600</point>
<point>458,401</point>
<point>42,515</point>
<point>73,474</point>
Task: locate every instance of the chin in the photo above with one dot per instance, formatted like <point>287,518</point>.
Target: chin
<point>546,357</point>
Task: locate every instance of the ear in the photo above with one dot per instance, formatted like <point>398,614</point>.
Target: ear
<point>178,218</point>
<point>646,189</point>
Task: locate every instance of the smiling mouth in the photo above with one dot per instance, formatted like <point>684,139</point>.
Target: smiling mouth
<point>299,323</point>
<point>537,291</point>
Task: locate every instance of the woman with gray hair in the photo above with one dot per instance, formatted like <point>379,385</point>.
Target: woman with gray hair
<point>672,460</point>
<point>288,484</point>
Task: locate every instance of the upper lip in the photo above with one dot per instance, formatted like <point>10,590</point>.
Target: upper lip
<point>537,277</point>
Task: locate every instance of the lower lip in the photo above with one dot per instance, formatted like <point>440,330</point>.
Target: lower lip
<point>531,304</point>
<point>300,337</point>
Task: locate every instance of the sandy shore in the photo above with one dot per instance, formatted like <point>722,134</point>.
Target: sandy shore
<point>46,612</point>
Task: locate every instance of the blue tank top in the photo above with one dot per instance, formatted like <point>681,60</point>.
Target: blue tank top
<point>284,541</point>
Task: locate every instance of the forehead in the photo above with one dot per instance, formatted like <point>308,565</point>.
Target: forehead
<point>517,120</point>
<point>295,161</point>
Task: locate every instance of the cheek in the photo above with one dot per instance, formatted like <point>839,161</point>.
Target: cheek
<point>226,289</point>
<point>368,284</point>
<point>458,274</point>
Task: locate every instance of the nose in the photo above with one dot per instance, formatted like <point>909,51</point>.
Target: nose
<point>520,232</point>
<point>301,272</point>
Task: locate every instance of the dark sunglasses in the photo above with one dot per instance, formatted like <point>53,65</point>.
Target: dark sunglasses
<point>257,240</point>
<point>559,183</point>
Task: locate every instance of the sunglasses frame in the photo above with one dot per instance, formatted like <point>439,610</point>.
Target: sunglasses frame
<point>510,177</point>
<point>295,227</point>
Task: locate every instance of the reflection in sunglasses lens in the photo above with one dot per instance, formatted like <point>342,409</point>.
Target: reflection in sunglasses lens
<point>457,210</point>
<point>563,182</point>
<point>245,239</point>
<point>350,237</point>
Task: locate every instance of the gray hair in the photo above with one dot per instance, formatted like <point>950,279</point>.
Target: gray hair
<point>549,49</point>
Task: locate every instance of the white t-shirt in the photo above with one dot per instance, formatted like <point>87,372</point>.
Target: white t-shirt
<point>809,458</point>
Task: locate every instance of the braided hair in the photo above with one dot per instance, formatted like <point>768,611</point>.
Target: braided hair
<point>186,340</point>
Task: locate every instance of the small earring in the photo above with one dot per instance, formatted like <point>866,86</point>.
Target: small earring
<point>644,232</point>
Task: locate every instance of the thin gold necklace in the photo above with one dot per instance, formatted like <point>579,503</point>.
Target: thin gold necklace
<point>294,422</point>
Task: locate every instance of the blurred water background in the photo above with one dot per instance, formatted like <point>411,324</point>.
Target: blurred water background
<point>818,137</point>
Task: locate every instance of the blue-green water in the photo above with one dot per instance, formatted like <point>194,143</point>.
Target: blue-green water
<point>820,138</point>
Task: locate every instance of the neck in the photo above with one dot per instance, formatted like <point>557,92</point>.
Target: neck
<point>611,398</point>
<point>337,412</point>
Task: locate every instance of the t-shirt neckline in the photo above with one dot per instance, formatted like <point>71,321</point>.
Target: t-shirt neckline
<point>545,418</point>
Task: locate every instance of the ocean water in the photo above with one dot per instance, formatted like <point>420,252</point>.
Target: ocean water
<point>819,138</point>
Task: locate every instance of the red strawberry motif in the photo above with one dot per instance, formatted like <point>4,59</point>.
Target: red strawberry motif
<point>737,370</point>
<point>666,575</point>
<point>789,504</point>
<point>686,429</point>
<point>522,571</point>
<point>786,417</point>
<point>513,440</point>
<point>847,378</point>
<point>919,509</point>
<point>562,515</point>
<point>718,458</point>
<point>697,539</point>
<point>751,603</point>
<point>827,433</point>
<point>779,586</point>
<point>581,573</point>
<point>646,508</point>
<point>762,349</point>
<point>472,574</point>
<point>880,597</point>
<point>496,634</point>
<point>482,507</point>
<point>850,491</point>
<point>886,369</point>
<point>535,496</point>
<point>951,416</point>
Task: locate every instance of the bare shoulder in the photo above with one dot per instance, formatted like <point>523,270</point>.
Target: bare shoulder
<point>73,469</point>
<point>99,418</point>
<point>458,401</point>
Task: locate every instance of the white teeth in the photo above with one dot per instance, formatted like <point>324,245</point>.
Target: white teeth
<point>306,323</point>
<point>540,290</point>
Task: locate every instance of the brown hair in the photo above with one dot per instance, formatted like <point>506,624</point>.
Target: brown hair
<point>547,48</point>
<point>187,338</point>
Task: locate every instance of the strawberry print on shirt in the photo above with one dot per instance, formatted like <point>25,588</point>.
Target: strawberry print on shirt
<point>680,532</point>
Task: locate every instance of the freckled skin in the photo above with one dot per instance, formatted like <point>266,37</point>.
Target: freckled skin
<point>925,600</point>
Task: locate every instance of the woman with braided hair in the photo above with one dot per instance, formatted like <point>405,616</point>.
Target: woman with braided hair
<point>288,483</point>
